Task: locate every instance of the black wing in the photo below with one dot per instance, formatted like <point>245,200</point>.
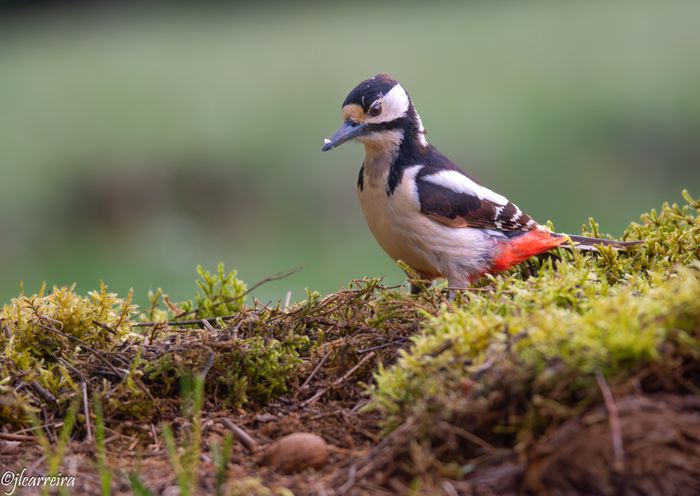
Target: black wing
<point>451,198</point>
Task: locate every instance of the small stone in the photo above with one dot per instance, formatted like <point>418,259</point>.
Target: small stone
<point>296,452</point>
<point>265,417</point>
<point>10,447</point>
<point>171,491</point>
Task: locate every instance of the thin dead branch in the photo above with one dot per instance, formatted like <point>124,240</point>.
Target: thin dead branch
<point>240,434</point>
<point>615,427</point>
<point>313,373</point>
<point>8,436</point>
<point>98,355</point>
<point>208,365</point>
<point>338,382</point>
<point>86,410</point>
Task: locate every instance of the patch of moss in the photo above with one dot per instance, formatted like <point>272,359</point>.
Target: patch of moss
<point>55,342</point>
<point>43,336</point>
<point>222,294</point>
<point>520,354</point>
<point>257,369</point>
<point>505,362</point>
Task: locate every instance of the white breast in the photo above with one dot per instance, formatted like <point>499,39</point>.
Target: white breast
<point>407,234</point>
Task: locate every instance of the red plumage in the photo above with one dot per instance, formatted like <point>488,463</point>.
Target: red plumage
<point>519,249</point>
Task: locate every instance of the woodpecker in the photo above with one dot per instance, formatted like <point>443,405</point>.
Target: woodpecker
<point>422,208</point>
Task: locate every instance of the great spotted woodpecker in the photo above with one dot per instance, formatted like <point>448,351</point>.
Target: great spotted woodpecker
<point>422,208</point>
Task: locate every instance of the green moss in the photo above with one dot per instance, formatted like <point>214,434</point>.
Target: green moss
<point>43,335</point>
<point>257,369</point>
<point>40,325</point>
<point>522,352</point>
<point>222,294</point>
<point>506,361</point>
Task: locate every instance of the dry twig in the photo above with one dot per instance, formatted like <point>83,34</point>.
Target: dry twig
<point>313,373</point>
<point>208,365</point>
<point>86,409</point>
<point>8,436</point>
<point>615,426</point>
<point>119,373</point>
<point>240,434</point>
<point>338,382</point>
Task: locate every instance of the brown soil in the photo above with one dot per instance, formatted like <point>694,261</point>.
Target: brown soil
<point>660,437</point>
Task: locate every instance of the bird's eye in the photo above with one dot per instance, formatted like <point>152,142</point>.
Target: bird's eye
<point>375,109</point>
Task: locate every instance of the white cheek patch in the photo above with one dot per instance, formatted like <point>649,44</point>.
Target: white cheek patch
<point>462,184</point>
<point>394,105</point>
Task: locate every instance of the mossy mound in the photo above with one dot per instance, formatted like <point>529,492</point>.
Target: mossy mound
<point>248,355</point>
<point>480,395</point>
<point>513,361</point>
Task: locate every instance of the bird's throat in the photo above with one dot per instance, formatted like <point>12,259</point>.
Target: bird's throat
<point>380,153</point>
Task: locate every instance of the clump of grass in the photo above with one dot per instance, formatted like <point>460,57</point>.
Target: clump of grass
<point>186,464</point>
<point>54,454</point>
<point>185,461</point>
<point>101,448</point>
<point>222,454</point>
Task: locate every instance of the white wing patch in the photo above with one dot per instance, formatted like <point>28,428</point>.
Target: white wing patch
<point>516,216</point>
<point>460,183</point>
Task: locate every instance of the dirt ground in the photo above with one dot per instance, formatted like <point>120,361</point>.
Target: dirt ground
<point>659,436</point>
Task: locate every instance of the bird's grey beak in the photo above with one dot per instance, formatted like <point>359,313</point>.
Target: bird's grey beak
<point>347,131</point>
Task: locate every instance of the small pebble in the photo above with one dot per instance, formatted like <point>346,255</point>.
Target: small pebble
<point>296,452</point>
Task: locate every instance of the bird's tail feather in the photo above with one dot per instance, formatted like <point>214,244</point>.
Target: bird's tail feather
<point>587,243</point>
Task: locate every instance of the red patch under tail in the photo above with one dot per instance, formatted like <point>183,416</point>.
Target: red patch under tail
<point>517,250</point>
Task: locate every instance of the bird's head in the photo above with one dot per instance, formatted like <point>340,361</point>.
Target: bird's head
<point>379,113</point>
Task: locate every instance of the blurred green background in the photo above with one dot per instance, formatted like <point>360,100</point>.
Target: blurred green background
<point>138,142</point>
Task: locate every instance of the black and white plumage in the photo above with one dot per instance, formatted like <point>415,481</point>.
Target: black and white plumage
<point>420,206</point>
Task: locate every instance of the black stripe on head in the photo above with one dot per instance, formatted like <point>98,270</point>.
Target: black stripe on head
<point>369,90</point>
<point>400,123</point>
